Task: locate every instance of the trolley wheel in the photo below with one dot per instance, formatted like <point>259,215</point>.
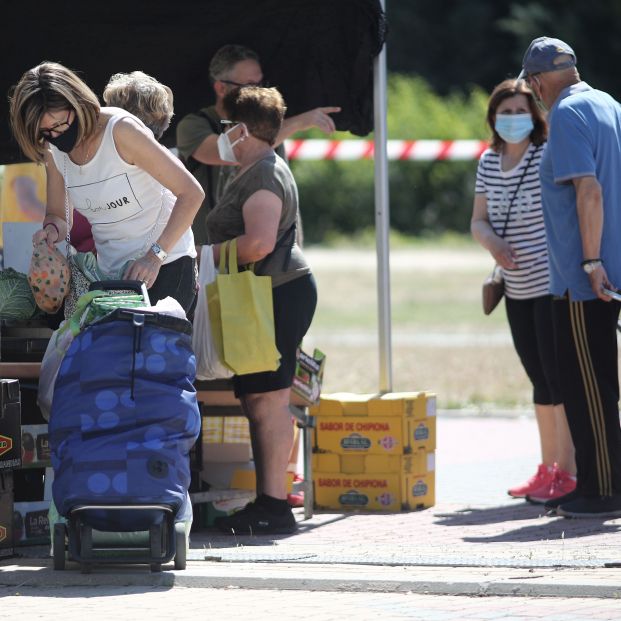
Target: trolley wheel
<point>59,546</point>
<point>86,541</point>
<point>180,546</point>
<point>156,567</point>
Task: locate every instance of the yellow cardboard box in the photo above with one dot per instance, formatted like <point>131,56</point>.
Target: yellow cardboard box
<point>247,479</point>
<point>374,482</point>
<point>408,404</point>
<point>380,435</point>
<point>225,439</point>
<point>417,405</point>
<point>418,462</point>
<point>230,429</point>
<point>375,492</point>
<point>343,404</point>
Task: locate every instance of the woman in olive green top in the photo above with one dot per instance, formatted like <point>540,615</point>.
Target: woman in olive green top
<point>259,207</point>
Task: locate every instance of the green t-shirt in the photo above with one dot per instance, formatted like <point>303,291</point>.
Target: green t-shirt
<point>225,221</point>
<point>191,131</point>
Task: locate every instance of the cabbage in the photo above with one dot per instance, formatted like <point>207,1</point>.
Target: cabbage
<point>16,299</point>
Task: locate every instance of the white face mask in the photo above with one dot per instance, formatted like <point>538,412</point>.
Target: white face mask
<point>225,147</point>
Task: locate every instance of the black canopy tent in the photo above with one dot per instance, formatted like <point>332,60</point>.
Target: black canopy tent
<point>317,52</point>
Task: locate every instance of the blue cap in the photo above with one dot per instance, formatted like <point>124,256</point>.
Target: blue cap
<point>543,55</point>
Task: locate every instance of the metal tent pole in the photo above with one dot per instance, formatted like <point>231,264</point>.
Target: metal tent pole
<point>382,219</point>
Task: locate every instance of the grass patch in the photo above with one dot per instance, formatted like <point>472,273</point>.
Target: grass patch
<point>367,239</point>
<point>442,341</point>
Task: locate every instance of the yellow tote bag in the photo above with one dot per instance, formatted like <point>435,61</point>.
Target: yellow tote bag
<point>241,312</point>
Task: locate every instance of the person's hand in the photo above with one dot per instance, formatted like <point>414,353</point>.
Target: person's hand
<point>504,254</point>
<point>320,118</point>
<point>599,279</point>
<point>48,234</point>
<point>144,269</point>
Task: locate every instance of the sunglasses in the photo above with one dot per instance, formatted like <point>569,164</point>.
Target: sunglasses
<point>59,128</point>
<point>262,83</point>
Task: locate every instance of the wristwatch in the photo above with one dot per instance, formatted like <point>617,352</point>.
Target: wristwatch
<point>590,265</point>
<point>159,252</point>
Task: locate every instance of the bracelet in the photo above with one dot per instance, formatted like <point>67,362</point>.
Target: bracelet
<point>57,229</point>
<point>590,261</point>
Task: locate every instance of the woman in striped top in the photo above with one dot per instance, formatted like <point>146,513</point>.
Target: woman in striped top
<point>507,220</point>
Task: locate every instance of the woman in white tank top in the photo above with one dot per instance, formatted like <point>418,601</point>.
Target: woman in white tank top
<point>138,197</point>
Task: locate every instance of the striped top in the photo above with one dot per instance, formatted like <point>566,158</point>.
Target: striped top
<point>525,229</point>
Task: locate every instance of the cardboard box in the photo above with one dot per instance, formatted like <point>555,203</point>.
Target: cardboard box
<point>6,513</point>
<point>374,482</point>
<point>220,474</point>
<point>35,446</point>
<point>374,492</point>
<point>407,404</point>
<point>343,404</point>
<point>308,376</point>
<point>225,439</point>
<point>231,429</point>
<point>30,522</point>
<point>379,435</point>
<point>10,421</point>
<point>419,462</point>
<point>225,452</point>
<point>235,475</point>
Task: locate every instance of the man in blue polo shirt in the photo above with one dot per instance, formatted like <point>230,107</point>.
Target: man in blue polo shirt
<point>581,192</point>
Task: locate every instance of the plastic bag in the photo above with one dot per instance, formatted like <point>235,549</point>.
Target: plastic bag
<point>52,359</point>
<point>208,366</point>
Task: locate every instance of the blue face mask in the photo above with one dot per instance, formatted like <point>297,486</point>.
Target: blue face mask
<point>514,128</point>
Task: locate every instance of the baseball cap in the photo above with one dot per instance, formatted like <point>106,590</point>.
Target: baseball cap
<point>542,56</point>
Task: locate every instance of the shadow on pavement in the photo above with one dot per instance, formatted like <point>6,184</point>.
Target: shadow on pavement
<point>214,538</point>
<point>554,529</point>
<point>489,515</point>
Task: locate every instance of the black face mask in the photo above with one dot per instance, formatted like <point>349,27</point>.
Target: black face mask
<point>66,141</point>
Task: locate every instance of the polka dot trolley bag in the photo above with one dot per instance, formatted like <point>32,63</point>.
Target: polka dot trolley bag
<point>124,417</point>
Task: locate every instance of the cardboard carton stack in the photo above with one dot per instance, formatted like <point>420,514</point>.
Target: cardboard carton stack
<point>375,452</point>
<point>34,480</point>
<point>10,458</point>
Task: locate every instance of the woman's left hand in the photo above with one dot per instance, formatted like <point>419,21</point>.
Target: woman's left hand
<point>144,269</point>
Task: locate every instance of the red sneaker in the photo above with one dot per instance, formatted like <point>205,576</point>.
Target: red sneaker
<point>541,478</point>
<point>296,499</point>
<point>562,483</point>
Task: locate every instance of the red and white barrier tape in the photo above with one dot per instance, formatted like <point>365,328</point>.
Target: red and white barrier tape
<point>421,150</point>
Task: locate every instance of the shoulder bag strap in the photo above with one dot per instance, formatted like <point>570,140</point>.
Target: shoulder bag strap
<point>530,158</point>
<point>192,164</point>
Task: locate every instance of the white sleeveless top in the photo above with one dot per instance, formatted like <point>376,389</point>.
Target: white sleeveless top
<point>126,207</point>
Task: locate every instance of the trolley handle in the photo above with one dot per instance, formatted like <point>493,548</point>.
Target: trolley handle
<point>110,285</point>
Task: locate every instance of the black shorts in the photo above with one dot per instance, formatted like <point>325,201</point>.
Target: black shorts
<point>533,336</point>
<point>294,307</point>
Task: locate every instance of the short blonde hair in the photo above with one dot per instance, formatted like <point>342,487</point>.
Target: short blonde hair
<point>144,97</point>
<point>46,88</point>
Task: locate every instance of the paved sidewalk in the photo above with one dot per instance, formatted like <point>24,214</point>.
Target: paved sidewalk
<point>509,549</point>
<point>474,542</point>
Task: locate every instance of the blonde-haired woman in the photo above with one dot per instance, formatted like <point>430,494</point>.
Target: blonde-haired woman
<point>143,96</point>
<point>106,164</point>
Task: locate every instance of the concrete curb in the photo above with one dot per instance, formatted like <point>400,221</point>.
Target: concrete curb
<point>593,583</point>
